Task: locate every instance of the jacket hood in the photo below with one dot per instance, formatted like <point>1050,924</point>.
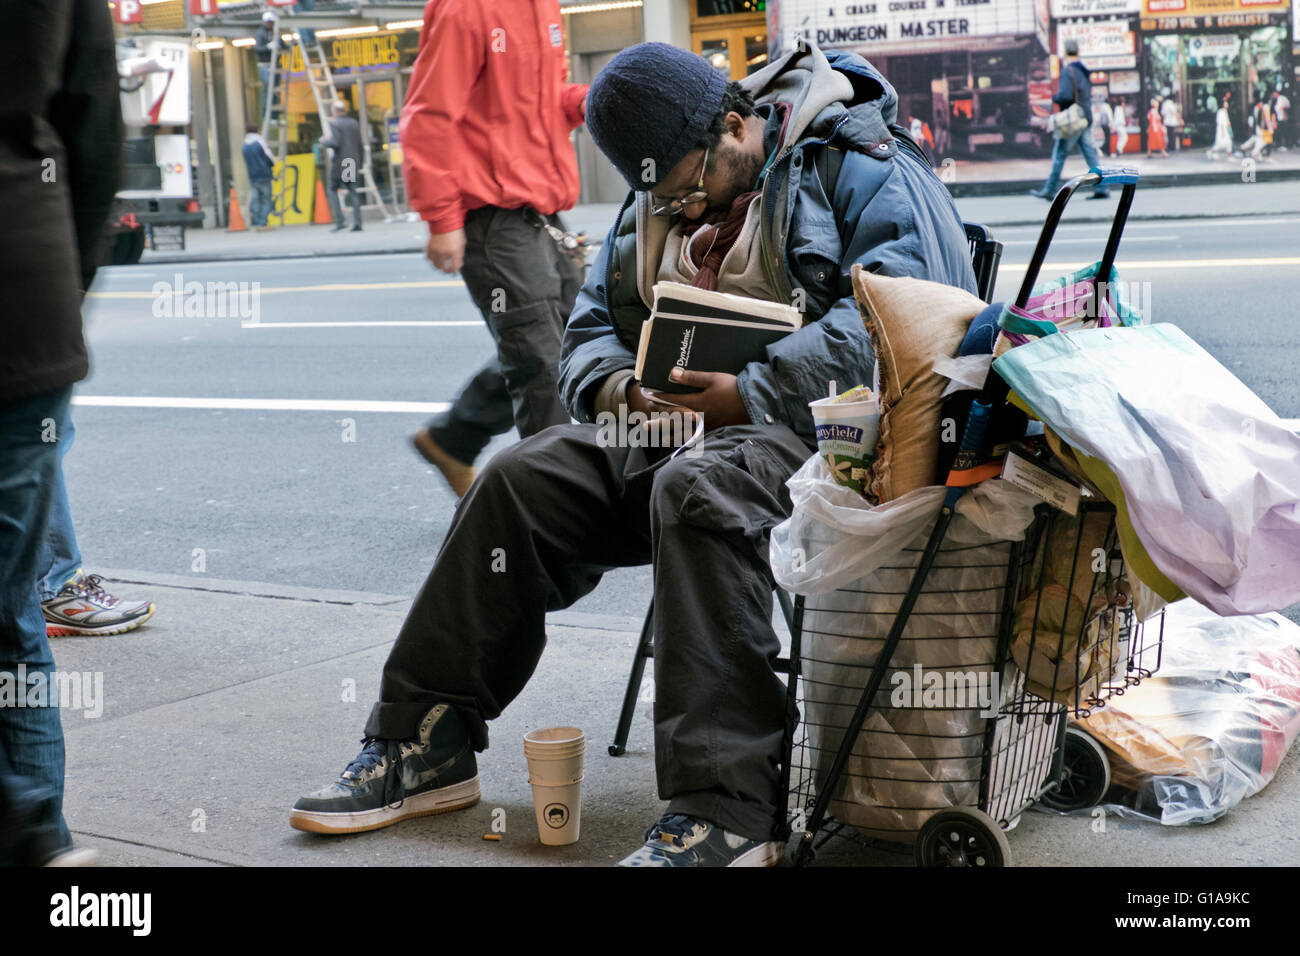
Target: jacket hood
<point>830,94</point>
<point>826,90</point>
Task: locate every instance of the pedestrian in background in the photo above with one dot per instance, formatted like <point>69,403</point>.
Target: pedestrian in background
<point>1156,139</point>
<point>490,163</point>
<point>1172,117</point>
<point>1222,147</point>
<point>1074,87</point>
<point>1282,113</point>
<point>1104,119</point>
<point>344,140</point>
<point>260,164</point>
<point>59,73</point>
<point>1120,116</point>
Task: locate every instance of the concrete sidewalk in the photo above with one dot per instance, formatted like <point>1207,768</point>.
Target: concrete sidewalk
<point>1204,201</point>
<point>239,697</point>
<point>1190,167</point>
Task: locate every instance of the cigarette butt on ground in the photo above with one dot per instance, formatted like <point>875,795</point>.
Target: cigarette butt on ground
<point>494,837</point>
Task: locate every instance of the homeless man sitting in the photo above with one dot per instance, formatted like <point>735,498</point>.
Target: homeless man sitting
<point>741,203</point>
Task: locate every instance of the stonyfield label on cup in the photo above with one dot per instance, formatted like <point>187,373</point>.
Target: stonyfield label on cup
<point>847,427</point>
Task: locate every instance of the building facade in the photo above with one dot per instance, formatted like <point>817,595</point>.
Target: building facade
<point>978,74</point>
<point>981,73</point>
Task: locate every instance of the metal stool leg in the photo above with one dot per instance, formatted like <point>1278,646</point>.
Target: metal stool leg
<point>644,651</point>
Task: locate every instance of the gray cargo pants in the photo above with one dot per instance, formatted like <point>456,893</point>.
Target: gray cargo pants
<point>524,287</point>
<point>566,509</point>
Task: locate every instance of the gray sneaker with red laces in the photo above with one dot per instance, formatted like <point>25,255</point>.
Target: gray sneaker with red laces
<point>83,607</point>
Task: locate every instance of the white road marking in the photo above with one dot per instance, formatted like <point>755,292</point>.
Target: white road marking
<point>1152,224</point>
<point>260,404</point>
<point>1129,264</point>
<point>1100,240</point>
<point>296,289</point>
<point>305,405</point>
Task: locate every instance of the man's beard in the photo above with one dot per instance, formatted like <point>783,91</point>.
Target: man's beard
<point>740,169</point>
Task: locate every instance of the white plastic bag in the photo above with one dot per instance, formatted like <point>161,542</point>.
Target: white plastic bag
<point>1213,725</point>
<point>1210,475</point>
<point>835,537</point>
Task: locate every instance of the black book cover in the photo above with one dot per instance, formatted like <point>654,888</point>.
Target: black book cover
<point>700,346</point>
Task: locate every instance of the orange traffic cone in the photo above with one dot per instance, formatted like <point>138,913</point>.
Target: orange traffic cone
<point>236,217</point>
<point>321,215</point>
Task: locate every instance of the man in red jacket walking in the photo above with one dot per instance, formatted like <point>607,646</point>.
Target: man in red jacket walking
<point>489,165</point>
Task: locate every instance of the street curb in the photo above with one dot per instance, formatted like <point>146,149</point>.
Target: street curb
<point>1154,217</point>
<point>957,193</point>
<point>253,589</point>
<point>1012,187</point>
<point>279,592</point>
<point>245,256</point>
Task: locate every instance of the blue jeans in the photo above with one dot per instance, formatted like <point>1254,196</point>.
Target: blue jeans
<point>1061,149</point>
<point>60,554</point>
<point>259,208</point>
<point>31,737</point>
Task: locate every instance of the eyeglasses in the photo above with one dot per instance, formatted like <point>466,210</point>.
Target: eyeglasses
<point>671,207</point>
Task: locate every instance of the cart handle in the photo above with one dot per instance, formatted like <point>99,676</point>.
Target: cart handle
<point>1125,176</point>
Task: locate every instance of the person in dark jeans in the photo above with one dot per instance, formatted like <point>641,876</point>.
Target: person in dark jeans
<point>260,163</point>
<point>489,166</point>
<point>510,257</point>
<point>550,514</point>
<point>1074,86</point>
<point>345,165</point>
<point>58,68</point>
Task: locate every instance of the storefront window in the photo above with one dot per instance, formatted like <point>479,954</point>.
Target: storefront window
<point>755,52</point>
<point>715,52</point>
<point>1203,70</point>
<point>993,70</point>
<point>1266,59</point>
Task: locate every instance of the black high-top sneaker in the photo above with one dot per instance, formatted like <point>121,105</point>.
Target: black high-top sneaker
<point>394,780</point>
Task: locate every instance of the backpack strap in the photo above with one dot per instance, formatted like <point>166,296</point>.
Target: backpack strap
<point>831,158</point>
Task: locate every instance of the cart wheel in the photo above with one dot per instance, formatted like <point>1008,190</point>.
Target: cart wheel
<point>962,836</point>
<point>1085,774</point>
<point>803,852</point>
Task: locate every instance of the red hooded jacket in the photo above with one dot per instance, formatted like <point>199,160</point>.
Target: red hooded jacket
<point>488,115</point>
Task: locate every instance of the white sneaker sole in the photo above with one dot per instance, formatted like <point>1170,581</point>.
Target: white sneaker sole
<point>765,854</point>
<point>53,629</point>
<point>455,797</point>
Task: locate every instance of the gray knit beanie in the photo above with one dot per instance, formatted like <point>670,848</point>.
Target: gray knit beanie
<point>648,108</point>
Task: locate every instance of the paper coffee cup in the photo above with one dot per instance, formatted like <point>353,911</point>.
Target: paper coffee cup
<point>555,772</point>
<point>847,427</point>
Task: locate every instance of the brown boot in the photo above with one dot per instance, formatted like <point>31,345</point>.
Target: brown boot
<point>458,474</point>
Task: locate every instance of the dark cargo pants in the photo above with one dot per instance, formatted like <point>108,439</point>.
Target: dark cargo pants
<point>525,287</point>
<point>562,508</point>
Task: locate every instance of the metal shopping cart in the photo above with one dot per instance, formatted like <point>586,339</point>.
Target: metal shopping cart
<point>936,695</point>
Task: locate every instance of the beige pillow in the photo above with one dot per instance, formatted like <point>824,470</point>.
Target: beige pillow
<point>911,322</point>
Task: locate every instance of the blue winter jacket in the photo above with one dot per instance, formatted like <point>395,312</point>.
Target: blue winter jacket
<point>1075,81</point>
<point>885,209</point>
<point>259,165</point>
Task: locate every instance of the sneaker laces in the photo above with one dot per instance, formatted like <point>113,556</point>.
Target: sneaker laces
<point>373,753</point>
<point>91,587</point>
<point>673,828</point>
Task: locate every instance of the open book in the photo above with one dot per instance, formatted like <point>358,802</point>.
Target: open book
<point>707,331</point>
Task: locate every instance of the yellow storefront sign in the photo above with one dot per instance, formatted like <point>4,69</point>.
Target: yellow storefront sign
<point>362,51</point>
<point>293,188</point>
<point>350,52</point>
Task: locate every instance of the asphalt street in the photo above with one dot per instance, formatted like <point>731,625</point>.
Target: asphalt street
<point>312,481</point>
